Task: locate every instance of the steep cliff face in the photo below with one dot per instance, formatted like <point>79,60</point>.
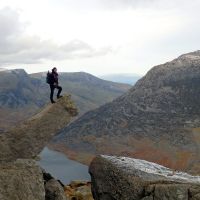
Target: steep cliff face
<point>20,177</point>
<point>156,120</point>
<point>133,179</point>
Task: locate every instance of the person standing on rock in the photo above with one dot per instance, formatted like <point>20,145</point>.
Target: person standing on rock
<point>52,80</point>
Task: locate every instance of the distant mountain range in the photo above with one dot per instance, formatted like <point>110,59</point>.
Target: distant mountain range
<point>122,78</point>
<point>87,91</point>
<point>21,94</point>
<point>157,120</point>
<point>20,97</point>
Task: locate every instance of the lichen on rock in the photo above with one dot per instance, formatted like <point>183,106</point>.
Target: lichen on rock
<point>133,179</point>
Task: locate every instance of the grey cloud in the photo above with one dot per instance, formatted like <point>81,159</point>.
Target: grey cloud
<point>82,49</point>
<point>16,48</point>
<point>76,45</point>
<point>155,4</point>
<point>122,4</point>
<point>10,25</point>
<point>104,4</point>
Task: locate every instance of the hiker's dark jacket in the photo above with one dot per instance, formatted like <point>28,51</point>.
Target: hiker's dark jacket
<point>55,77</point>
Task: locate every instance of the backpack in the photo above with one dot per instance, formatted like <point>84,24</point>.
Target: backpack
<point>49,78</point>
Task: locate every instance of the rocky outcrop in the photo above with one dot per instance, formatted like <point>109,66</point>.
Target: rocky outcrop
<point>20,177</point>
<point>157,120</point>
<point>76,190</point>
<point>21,180</point>
<point>28,140</point>
<point>54,191</point>
<point>133,179</point>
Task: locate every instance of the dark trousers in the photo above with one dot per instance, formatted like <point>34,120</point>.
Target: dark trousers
<point>52,87</point>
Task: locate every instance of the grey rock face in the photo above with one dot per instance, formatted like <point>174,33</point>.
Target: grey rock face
<point>21,180</point>
<point>54,191</point>
<point>132,179</point>
<point>28,139</point>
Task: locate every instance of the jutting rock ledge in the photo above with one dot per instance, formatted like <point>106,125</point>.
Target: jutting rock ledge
<point>122,178</point>
<point>28,139</point>
<point>20,177</point>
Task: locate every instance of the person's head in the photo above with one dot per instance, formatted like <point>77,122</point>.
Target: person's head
<point>54,69</point>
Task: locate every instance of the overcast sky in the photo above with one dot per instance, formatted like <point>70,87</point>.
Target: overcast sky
<point>96,36</point>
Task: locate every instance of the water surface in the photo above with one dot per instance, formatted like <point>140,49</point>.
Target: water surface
<point>62,168</point>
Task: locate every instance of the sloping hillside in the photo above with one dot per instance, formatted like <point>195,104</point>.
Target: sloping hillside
<point>156,120</point>
<point>20,97</point>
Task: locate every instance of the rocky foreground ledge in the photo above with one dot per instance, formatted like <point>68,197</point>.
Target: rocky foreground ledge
<point>20,177</point>
<point>122,178</point>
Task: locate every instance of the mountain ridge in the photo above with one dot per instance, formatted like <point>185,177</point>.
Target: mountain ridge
<point>154,119</point>
<point>22,95</point>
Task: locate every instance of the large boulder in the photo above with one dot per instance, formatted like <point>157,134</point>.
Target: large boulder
<point>21,180</point>
<point>123,178</point>
<point>54,191</point>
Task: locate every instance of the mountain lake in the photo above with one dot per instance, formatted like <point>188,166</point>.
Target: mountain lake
<point>62,168</point>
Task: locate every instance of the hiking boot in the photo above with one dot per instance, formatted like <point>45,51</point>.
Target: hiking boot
<point>52,101</point>
<point>60,96</point>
